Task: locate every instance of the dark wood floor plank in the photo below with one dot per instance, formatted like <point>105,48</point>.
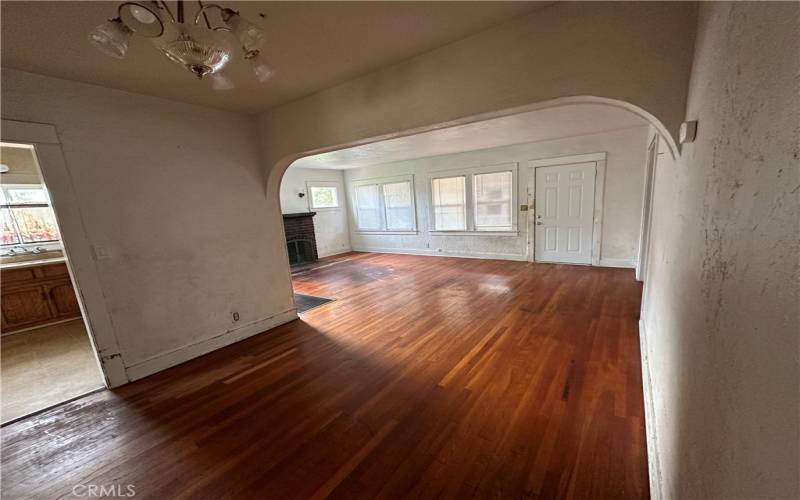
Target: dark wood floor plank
<point>427,377</point>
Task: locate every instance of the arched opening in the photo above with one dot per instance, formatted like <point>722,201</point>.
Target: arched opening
<point>279,168</point>
<point>563,132</point>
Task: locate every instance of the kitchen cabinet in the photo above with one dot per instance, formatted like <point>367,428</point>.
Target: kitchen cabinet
<point>36,295</point>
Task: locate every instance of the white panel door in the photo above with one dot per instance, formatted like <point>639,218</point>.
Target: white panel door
<point>564,213</point>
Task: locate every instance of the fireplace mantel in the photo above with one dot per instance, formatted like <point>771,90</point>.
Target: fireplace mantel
<point>299,214</point>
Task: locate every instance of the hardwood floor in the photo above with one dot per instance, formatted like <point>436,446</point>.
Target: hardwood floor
<point>426,377</point>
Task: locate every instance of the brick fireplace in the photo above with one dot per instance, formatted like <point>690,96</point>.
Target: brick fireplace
<point>301,244</point>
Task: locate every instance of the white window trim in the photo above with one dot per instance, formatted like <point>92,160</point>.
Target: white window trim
<point>475,233</point>
<point>333,184</point>
<point>468,173</point>
<point>512,207</point>
<point>380,181</point>
<point>46,245</point>
<point>432,208</point>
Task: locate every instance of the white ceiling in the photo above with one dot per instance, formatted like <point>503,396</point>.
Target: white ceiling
<point>311,45</point>
<point>535,126</point>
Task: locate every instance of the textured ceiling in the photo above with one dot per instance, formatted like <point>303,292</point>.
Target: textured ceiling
<point>311,45</point>
<point>535,126</point>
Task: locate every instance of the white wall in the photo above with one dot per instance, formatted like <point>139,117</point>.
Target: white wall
<point>174,195</point>
<point>622,208</point>
<point>330,224</point>
<point>722,297</point>
<point>635,52</point>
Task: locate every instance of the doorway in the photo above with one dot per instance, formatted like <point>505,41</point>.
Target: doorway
<point>47,355</point>
<point>647,208</point>
<point>563,222</point>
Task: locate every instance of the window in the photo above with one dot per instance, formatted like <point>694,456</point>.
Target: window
<point>474,200</point>
<point>449,204</point>
<point>26,216</point>
<point>368,207</point>
<point>398,206</point>
<point>324,197</point>
<point>493,201</point>
<point>385,205</point>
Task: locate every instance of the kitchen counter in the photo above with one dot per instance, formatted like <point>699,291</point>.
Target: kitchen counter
<point>31,263</point>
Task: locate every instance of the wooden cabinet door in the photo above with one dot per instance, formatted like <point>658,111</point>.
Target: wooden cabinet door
<point>63,300</point>
<point>25,306</point>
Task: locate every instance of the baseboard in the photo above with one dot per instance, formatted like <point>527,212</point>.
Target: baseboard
<point>43,325</point>
<point>180,355</point>
<point>653,463</point>
<point>337,252</point>
<point>433,253</point>
<point>621,263</point>
<point>625,263</point>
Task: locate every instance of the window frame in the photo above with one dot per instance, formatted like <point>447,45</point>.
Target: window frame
<point>323,184</point>
<point>411,206</point>
<point>6,204</point>
<point>469,173</point>
<point>380,182</point>
<point>493,229</point>
<point>357,207</point>
<point>466,204</point>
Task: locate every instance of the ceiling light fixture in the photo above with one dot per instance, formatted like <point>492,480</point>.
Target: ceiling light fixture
<point>111,38</point>
<point>141,18</point>
<point>200,48</point>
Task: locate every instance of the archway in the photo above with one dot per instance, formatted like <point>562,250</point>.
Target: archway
<point>658,129</point>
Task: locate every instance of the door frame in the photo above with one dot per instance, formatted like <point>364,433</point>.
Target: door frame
<point>78,254</point>
<point>647,207</point>
<point>599,160</point>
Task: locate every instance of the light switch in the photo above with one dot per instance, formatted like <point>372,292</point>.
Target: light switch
<point>100,252</point>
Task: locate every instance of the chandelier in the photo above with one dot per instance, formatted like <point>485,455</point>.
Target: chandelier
<point>197,45</point>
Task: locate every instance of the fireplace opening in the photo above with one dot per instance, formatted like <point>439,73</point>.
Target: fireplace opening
<point>301,244</point>
<point>300,252</point>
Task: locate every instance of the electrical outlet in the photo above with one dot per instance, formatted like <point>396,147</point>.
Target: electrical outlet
<point>235,316</point>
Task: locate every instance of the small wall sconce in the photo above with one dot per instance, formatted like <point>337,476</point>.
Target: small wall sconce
<point>301,194</point>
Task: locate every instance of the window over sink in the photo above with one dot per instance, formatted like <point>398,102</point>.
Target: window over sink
<point>27,218</point>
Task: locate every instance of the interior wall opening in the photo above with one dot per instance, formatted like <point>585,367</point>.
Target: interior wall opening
<point>562,184</point>
<point>47,354</point>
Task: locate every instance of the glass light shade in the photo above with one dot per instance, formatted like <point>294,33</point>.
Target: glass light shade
<point>200,50</point>
<point>111,38</point>
<point>141,18</point>
<point>250,35</point>
<point>262,70</point>
<point>221,82</point>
